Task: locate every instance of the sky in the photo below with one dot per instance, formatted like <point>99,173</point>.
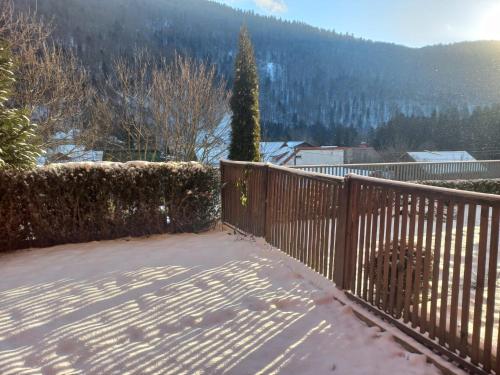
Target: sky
<point>413,23</point>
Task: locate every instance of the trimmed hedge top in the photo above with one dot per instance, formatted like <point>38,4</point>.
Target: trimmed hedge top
<point>491,186</point>
<point>81,202</point>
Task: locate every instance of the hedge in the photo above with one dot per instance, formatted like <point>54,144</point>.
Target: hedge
<point>81,202</point>
<point>481,186</point>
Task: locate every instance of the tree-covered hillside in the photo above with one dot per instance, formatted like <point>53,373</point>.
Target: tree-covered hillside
<point>309,77</point>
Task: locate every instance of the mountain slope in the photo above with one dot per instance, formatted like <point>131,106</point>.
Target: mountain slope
<point>308,75</point>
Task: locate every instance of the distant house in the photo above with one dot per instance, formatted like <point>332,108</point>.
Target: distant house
<point>269,150</point>
<point>331,155</point>
<point>304,153</point>
<point>432,171</point>
<point>362,154</point>
<point>279,152</point>
<point>315,155</point>
<point>438,156</point>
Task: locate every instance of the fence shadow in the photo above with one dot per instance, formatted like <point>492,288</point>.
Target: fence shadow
<point>163,319</point>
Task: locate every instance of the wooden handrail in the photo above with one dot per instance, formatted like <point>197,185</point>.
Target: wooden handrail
<point>437,192</point>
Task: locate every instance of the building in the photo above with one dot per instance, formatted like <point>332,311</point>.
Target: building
<point>279,152</point>
<point>450,164</point>
<point>363,154</point>
<point>438,156</point>
<point>332,155</point>
<point>315,155</point>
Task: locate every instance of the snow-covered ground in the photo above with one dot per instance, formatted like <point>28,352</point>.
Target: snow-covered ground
<point>184,304</point>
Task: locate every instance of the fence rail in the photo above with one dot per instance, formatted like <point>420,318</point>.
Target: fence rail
<point>425,257</point>
<point>413,171</point>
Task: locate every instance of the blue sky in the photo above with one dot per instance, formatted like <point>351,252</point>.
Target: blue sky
<point>410,22</point>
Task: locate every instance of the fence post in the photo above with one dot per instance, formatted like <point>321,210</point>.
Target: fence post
<point>351,242</point>
<point>266,186</point>
<point>222,195</point>
<point>340,238</point>
<point>346,237</point>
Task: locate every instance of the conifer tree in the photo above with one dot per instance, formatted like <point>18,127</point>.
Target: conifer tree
<point>18,149</point>
<point>245,123</point>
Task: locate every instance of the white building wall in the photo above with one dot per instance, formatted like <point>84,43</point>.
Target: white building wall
<point>311,157</point>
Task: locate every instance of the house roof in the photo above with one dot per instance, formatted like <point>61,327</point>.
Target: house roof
<point>440,156</point>
<point>294,144</point>
<point>269,150</point>
<point>273,152</point>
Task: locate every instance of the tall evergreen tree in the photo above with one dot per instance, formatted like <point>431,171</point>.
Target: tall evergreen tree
<point>245,124</point>
<point>18,149</point>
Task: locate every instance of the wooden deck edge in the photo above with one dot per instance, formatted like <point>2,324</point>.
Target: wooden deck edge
<point>411,340</point>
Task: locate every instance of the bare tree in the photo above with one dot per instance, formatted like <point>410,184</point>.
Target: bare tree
<point>175,110</point>
<point>189,106</point>
<point>128,104</point>
<point>52,84</point>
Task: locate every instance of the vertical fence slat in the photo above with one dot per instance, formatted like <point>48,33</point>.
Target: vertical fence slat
<point>436,270</point>
<point>427,266</point>
<point>387,250</point>
<point>353,236</point>
<point>455,286</point>
<point>402,259</point>
<point>380,248</point>
<point>373,257</point>
<point>369,213</point>
<point>310,214</point>
<point>326,227</point>
<point>409,260</point>
<point>316,224</point>
<point>281,212</point>
<point>394,255</point>
<point>443,310</point>
<point>340,237</point>
<point>492,280</point>
<point>333,230</point>
<point>479,290</point>
<point>467,280</point>
<point>361,245</point>
<point>418,261</point>
<point>295,219</point>
<point>287,214</point>
<point>301,218</point>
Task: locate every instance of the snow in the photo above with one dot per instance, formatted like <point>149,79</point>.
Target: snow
<point>271,71</point>
<point>193,304</point>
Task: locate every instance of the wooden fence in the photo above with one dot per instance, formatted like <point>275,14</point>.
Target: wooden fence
<point>413,171</point>
<point>424,258</point>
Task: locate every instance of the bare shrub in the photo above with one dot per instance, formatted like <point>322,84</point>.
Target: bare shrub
<point>402,261</point>
<point>172,110</point>
<point>52,85</point>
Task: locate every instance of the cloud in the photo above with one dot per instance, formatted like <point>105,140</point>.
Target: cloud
<point>272,6</point>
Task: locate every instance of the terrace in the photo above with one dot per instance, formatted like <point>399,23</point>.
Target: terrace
<point>183,304</point>
<point>309,273</point>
